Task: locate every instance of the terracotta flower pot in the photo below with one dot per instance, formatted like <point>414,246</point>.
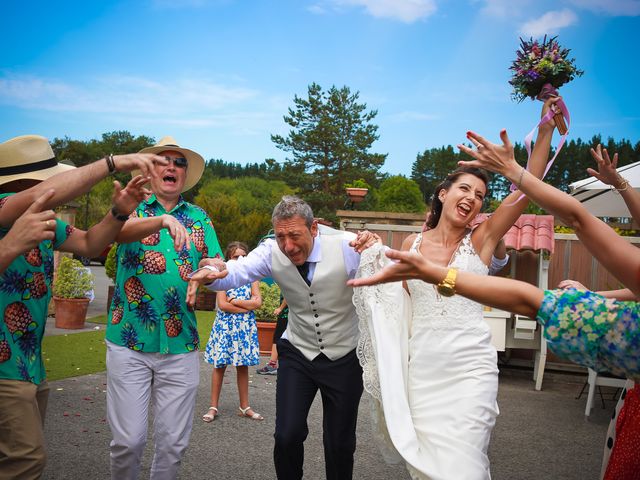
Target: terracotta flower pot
<point>71,312</point>
<point>206,300</point>
<point>265,336</point>
<point>356,195</point>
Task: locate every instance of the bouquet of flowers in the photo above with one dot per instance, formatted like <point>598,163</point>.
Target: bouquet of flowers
<point>540,68</point>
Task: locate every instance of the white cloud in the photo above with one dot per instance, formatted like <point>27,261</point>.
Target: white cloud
<point>630,8</point>
<point>137,100</point>
<point>120,94</point>
<point>549,23</point>
<point>407,11</point>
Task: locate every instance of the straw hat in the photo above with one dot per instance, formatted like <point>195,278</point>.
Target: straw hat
<point>195,160</point>
<point>28,157</point>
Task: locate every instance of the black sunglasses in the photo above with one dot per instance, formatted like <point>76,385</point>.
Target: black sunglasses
<point>179,162</point>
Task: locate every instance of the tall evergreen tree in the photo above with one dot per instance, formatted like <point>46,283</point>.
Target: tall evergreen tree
<point>330,140</point>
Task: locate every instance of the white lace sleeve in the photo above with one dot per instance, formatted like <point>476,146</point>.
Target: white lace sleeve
<point>378,303</point>
<point>371,261</point>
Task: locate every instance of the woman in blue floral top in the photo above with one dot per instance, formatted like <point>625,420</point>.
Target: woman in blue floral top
<point>234,339</point>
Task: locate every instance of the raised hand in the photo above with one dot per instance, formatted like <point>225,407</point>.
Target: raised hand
<point>125,200</point>
<point>606,172</point>
<point>33,226</point>
<point>202,276</point>
<point>550,104</point>
<point>139,161</point>
<point>177,231</point>
<point>490,156</point>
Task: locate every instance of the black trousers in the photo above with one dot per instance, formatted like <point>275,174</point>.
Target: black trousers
<point>340,384</point>
<point>281,326</point>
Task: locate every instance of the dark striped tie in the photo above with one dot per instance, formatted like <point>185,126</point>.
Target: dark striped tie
<point>304,272</point>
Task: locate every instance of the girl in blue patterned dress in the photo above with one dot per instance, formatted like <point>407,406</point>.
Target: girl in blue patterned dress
<point>234,339</point>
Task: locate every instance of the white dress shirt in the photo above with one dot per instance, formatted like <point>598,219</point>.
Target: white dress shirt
<point>257,264</point>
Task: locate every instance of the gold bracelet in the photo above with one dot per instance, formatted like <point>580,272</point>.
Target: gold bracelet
<point>623,186</point>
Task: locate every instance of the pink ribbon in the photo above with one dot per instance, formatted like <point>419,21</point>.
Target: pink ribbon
<point>547,91</point>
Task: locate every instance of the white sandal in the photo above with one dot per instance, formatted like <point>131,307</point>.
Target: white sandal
<point>243,413</point>
<point>211,415</point>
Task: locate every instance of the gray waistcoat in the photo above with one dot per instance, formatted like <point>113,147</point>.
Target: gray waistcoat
<point>322,318</point>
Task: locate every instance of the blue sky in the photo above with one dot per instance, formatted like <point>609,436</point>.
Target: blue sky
<point>219,75</point>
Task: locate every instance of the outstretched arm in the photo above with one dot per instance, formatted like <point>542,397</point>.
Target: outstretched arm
<point>138,228</point>
<point>494,228</point>
<point>622,294</point>
<point>203,276</point>
<point>94,240</point>
<point>73,183</point>
<point>511,295</point>
<point>613,252</point>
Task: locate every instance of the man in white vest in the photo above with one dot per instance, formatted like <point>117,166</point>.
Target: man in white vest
<point>317,350</point>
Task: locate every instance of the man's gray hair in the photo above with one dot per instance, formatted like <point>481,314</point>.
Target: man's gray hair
<point>291,206</point>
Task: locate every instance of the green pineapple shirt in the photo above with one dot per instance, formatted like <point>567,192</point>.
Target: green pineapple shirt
<point>25,291</point>
<point>148,312</point>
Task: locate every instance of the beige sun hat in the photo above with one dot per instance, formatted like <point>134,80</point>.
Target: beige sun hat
<point>28,157</point>
<point>195,160</point>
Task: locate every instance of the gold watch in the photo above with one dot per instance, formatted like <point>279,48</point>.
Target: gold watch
<point>447,287</point>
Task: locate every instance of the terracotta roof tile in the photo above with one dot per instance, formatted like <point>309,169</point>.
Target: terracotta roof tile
<point>530,232</point>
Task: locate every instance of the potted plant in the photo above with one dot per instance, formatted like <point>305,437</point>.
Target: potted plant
<point>265,318</point>
<point>110,268</point>
<point>357,190</point>
<point>205,299</point>
<point>71,287</point>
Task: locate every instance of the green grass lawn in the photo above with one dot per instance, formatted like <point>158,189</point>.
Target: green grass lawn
<point>99,319</point>
<point>76,354</point>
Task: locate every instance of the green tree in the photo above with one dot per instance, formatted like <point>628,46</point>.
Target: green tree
<point>431,167</point>
<point>400,194</point>
<point>82,152</point>
<point>96,203</point>
<point>241,208</point>
<point>330,140</point>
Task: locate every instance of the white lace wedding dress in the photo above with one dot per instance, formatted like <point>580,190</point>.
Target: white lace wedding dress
<point>429,364</point>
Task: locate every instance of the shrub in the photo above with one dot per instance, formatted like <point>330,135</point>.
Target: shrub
<point>400,194</point>
<point>270,301</point>
<point>111,263</point>
<point>73,280</point>
<point>359,183</point>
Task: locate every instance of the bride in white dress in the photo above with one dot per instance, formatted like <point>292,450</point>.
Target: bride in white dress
<point>427,358</point>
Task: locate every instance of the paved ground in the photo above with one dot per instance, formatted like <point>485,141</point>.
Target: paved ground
<point>538,435</point>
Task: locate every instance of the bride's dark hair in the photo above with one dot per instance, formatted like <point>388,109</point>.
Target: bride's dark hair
<point>436,205</point>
